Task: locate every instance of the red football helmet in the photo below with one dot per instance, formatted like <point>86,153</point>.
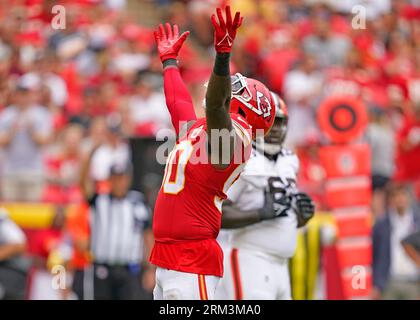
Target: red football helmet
<point>252,100</point>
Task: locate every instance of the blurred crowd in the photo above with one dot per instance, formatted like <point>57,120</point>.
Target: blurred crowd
<point>97,82</point>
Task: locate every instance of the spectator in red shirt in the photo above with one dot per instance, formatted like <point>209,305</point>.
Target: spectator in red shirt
<point>64,167</point>
<point>409,147</point>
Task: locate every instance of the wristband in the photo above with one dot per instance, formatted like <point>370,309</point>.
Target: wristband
<point>221,64</point>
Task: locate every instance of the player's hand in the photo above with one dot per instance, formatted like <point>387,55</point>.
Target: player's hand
<point>305,208</point>
<point>169,42</point>
<point>225,31</point>
<point>148,280</point>
<point>276,201</point>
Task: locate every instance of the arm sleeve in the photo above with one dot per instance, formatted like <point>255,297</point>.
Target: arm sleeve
<point>178,99</point>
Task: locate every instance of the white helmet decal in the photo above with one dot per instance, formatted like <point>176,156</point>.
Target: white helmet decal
<point>263,104</point>
<point>241,92</point>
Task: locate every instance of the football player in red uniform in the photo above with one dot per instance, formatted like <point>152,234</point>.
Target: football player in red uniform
<point>207,158</point>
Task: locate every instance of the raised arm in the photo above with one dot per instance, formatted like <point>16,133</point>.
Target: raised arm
<point>178,99</point>
<point>218,93</point>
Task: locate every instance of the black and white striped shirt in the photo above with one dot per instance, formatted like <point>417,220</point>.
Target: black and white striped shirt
<point>117,227</point>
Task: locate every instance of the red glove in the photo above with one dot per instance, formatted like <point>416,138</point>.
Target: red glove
<point>169,44</point>
<point>224,33</point>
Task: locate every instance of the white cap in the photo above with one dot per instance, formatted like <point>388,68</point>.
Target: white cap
<point>29,81</point>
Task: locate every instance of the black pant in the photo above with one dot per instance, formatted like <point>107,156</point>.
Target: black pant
<point>78,283</point>
<point>379,182</point>
<point>12,284</point>
<point>110,283</point>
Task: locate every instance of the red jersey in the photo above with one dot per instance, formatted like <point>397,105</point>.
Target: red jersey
<point>408,160</point>
<point>187,216</point>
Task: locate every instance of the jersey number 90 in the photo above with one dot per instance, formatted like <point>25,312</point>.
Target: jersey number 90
<point>174,178</point>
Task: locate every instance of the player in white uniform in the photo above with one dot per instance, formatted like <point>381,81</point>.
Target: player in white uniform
<point>263,211</point>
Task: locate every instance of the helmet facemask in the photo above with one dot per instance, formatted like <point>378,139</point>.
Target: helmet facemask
<point>240,88</point>
<point>272,143</point>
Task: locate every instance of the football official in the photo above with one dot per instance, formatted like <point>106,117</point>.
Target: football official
<point>119,238</point>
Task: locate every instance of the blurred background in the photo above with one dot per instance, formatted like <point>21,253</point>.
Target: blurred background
<point>97,83</point>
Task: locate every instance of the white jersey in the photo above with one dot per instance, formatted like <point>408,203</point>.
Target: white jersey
<point>275,236</point>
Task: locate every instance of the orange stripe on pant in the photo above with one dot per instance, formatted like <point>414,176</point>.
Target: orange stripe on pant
<point>236,275</point>
<point>202,287</point>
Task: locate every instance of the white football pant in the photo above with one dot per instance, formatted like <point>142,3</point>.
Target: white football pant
<point>175,285</point>
<point>250,275</point>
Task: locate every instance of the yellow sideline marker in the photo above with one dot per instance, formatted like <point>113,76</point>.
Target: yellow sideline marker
<point>30,215</point>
